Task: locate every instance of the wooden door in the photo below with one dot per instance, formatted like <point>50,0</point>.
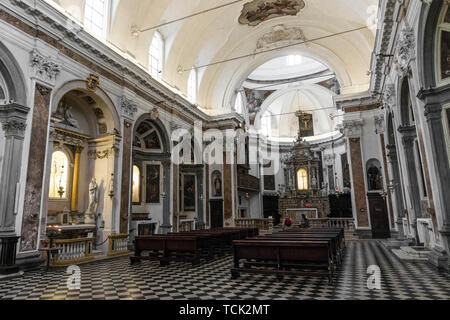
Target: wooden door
<point>378,216</point>
<point>216,207</point>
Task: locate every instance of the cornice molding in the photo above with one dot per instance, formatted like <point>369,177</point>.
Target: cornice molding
<point>57,29</point>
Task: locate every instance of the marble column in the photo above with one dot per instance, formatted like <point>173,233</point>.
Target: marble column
<point>433,114</point>
<point>227,192</point>
<point>409,136</point>
<point>397,190</point>
<point>36,165</point>
<point>200,198</point>
<point>126,177</point>
<point>166,225</point>
<point>13,118</point>
<point>75,180</point>
<point>359,187</point>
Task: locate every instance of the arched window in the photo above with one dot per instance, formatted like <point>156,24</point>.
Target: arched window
<point>239,104</point>
<point>59,175</point>
<point>96,17</point>
<point>443,46</point>
<point>136,191</point>
<point>293,60</point>
<point>156,56</point>
<point>3,92</point>
<point>266,124</point>
<point>192,86</point>
<point>302,179</point>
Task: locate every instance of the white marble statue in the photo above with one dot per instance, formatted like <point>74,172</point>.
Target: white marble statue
<point>93,195</point>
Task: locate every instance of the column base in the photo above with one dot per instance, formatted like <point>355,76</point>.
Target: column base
<point>29,260</point>
<point>166,228</point>
<point>200,225</point>
<point>439,258</point>
<point>363,233</point>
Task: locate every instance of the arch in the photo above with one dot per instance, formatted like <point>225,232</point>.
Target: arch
<point>334,64</point>
<point>103,100</point>
<point>405,103</point>
<point>390,129</point>
<point>12,76</point>
<point>374,175</point>
<point>428,25</point>
<point>160,128</point>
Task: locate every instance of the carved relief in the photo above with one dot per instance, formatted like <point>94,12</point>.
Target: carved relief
<point>279,36</point>
<point>352,128</point>
<point>405,50</point>
<point>379,123</point>
<point>44,68</point>
<point>14,128</point>
<point>129,107</point>
<point>92,82</point>
<point>258,11</point>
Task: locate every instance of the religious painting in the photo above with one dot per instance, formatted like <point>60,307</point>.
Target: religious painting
<point>152,141</point>
<point>331,177</point>
<point>306,124</point>
<point>445,55</point>
<point>255,99</point>
<point>269,182</point>
<point>153,185</point>
<point>189,203</point>
<point>258,11</point>
<point>346,171</point>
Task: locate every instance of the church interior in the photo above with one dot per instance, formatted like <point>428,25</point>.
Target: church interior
<point>218,149</point>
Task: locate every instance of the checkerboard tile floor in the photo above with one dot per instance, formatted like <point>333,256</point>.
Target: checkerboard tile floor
<point>117,279</point>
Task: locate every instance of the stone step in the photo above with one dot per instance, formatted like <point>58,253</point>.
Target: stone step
<point>96,253</point>
<point>404,256</point>
<point>395,243</point>
<point>417,252</point>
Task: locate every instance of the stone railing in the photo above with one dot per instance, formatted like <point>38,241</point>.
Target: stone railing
<point>70,251</point>
<point>263,225</point>
<point>347,224</point>
<point>117,244</point>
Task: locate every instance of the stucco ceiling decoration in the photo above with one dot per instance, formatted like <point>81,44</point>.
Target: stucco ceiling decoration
<point>281,36</point>
<point>258,11</point>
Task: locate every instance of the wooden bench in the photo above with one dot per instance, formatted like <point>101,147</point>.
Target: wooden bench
<point>332,240</point>
<point>166,248</point>
<point>283,258</point>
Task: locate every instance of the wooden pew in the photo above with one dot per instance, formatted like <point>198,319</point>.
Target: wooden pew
<point>332,240</point>
<point>166,248</point>
<point>283,258</point>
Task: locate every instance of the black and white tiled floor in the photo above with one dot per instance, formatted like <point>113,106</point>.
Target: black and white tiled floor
<point>117,279</point>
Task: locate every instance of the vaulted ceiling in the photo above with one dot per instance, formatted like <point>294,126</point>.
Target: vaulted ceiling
<point>217,36</point>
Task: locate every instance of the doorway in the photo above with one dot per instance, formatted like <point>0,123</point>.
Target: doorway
<point>379,216</point>
<point>216,207</point>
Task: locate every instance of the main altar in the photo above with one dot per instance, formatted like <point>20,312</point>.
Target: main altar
<point>302,193</point>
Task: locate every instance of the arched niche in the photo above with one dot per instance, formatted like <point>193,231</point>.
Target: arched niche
<point>374,175</point>
<point>405,102</point>
<point>151,160</point>
<point>11,77</point>
<point>216,184</point>
<point>430,27</point>
<point>89,103</point>
<point>86,126</point>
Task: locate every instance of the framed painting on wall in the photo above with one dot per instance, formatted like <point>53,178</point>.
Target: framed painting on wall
<point>153,185</point>
<point>189,192</point>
